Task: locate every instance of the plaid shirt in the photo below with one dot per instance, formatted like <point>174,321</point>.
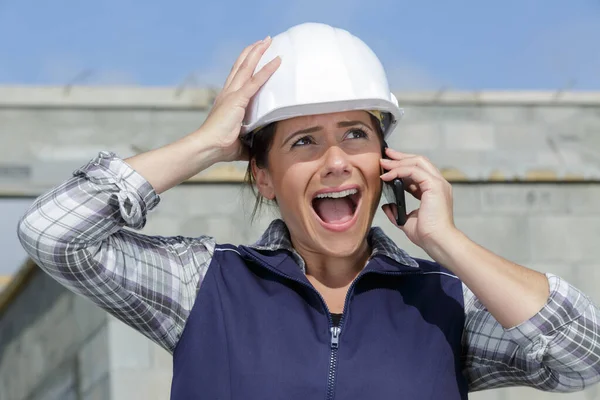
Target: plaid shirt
<point>75,233</point>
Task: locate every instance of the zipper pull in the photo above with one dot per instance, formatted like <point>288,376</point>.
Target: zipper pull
<point>335,336</point>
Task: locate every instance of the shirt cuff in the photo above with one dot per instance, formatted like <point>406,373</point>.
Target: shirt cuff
<point>135,194</point>
<point>565,304</point>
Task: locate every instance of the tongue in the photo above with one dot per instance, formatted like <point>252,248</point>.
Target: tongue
<point>334,211</point>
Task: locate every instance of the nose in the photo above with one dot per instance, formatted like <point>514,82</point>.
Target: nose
<point>335,163</point>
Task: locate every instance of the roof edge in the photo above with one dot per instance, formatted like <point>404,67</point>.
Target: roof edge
<point>203,98</point>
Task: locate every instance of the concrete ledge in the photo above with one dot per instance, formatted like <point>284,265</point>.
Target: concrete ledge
<point>105,97</point>
<point>202,98</point>
<point>232,175</point>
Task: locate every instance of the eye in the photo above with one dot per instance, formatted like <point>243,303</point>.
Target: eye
<point>303,141</point>
<point>357,133</point>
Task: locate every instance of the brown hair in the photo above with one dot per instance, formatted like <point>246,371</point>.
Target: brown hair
<point>259,152</point>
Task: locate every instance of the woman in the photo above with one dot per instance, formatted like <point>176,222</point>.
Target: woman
<point>323,305</point>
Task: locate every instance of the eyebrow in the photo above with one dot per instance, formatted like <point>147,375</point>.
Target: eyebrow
<point>341,124</point>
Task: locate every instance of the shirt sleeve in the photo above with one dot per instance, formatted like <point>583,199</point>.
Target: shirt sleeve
<point>557,350</point>
<point>76,233</point>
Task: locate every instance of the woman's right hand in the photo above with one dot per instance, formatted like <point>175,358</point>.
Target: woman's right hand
<point>218,139</point>
<point>223,123</point>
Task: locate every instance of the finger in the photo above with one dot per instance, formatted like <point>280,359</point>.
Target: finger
<point>412,174</point>
<point>419,161</point>
<point>246,69</point>
<point>260,78</point>
<point>238,62</point>
<point>397,155</point>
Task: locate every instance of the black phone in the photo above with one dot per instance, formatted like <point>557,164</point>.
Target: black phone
<point>394,194</point>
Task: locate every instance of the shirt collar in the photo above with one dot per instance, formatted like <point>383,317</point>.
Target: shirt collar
<point>277,237</point>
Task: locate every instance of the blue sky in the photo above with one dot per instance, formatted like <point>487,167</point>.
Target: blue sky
<point>468,45</point>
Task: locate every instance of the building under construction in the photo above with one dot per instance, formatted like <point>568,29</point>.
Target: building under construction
<point>525,167</point>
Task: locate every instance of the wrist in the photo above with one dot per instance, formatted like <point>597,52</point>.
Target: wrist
<point>443,247</point>
<point>204,151</point>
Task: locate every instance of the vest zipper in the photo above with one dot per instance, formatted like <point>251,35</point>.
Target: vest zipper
<point>335,331</point>
<point>335,339</point>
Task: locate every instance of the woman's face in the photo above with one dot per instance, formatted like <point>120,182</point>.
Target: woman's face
<point>324,170</point>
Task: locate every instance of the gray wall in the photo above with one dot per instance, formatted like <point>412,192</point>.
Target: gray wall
<point>52,346</point>
<point>55,345</point>
<point>526,169</point>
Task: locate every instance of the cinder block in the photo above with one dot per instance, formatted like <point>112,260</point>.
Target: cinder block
<point>205,199</point>
<point>506,236</point>
<point>99,391</point>
<point>583,199</point>
<point>87,315</point>
<point>588,280</point>
<point>448,112</point>
<point>469,136</point>
<point>415,137</point>
<point>141,384</point>
<point>174,124</point>
<point>525,393</point>
<point>161,359</point>
<point>559,238</point>
<point>59,384</point>
<point>466,199</point>
<point>493,394</point>
<point>161,224</point>
<point>57,330</point>
<point>93,357</point>
<point>524,199</point>
<point>528,137</point>
<point>550,115</point>
<point>466,160</point>
<point>506,114</point>
<point>33,365</point>
<point>127,348</point>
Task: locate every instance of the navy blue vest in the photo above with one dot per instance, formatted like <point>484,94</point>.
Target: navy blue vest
<point>259,330</point>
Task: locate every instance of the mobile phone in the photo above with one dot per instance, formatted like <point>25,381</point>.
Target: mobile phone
<point>394,194</point>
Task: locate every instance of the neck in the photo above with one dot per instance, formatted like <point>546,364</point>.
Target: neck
<point>334,272</point>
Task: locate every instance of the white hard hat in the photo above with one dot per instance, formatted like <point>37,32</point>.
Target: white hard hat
<point>323,70</point>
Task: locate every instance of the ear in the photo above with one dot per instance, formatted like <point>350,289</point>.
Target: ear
<point>263,181</point>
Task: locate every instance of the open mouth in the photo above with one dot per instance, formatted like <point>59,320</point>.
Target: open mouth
<point>336,207</point>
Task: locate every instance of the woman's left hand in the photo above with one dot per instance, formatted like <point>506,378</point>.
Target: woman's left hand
<point>433,220</point>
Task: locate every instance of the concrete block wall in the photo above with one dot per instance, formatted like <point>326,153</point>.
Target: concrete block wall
<point>52,345</point>
<point>471,137</point>
<point>488,142</point>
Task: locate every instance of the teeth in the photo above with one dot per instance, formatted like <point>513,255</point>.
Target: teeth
<point>337,195</point>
